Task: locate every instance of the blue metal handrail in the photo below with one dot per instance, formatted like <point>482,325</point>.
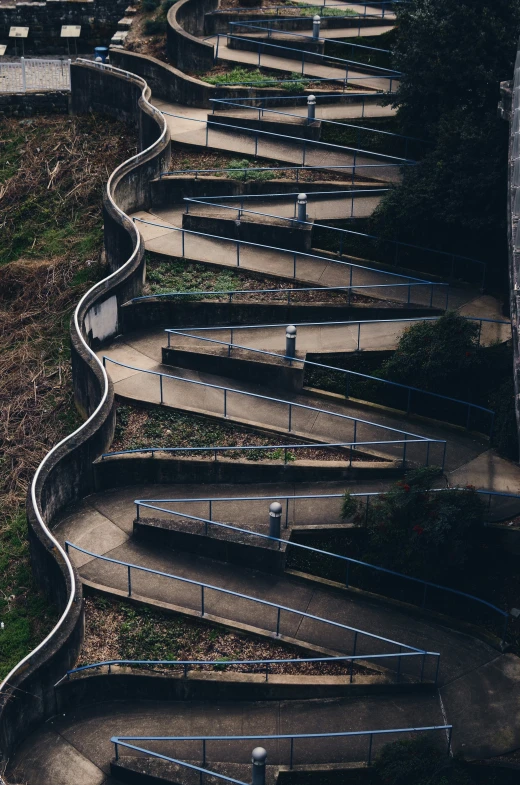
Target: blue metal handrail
<point>385,6</point>
<point>347,559</point>
<point>124,741</point>
<point>423,653</point>
<point>260,24</point>
<point>383,73</point>
<point>392,159</point>
<point>210,201</point>
<point>261,111</point>
<point>284,251</point>
<point>230,293</point>
<point>290,404</point>
<point>346,372</point>
<point>287,448</point>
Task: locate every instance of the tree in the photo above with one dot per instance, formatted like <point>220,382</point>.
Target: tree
<point>453,55</point>
<point>427,534</point>
<point>434,355</point>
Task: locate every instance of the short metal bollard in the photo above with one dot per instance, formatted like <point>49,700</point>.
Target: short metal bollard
<point>258,759</point>
<point>311,108</point>
<point>290,341</point>
<point>275,518</point>
<point>302,208</point>
<point>316,22</point>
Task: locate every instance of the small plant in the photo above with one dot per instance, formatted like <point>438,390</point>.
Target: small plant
<point>155,26</point>
<point>149,5</point>
<point>349,506</point>
<point>222,667</point>
<point>246,174</point>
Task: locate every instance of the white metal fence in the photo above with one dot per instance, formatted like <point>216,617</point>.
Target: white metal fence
<point>34,75</point>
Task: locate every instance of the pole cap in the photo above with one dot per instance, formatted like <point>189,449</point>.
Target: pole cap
<point>302,198</point>
<point>316,18</point>
<point>258,756</point>
<point>290,331</point>
<point>275,509</point>
<point>311,99</point>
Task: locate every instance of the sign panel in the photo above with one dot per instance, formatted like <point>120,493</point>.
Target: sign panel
<point>18,32</point>
<point>70,31</point>
<point>3,47</point>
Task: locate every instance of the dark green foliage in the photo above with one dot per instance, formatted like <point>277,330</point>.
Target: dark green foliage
<point>149,5</point>
<point>155,26</point>
<point>420,762</point>
<point>453,57</point>
<point>430,354</point>
<point>427,535</point>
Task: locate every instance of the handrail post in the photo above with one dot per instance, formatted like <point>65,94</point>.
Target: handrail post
<point>129,581</point>
<point>450,732</point>
<point>291,753</point>
<point>116,750</point>
<point>278,622</point>
<point>370,750</point>
<point>202,600</point>
<point>161,386</point>
<point>225,403</point>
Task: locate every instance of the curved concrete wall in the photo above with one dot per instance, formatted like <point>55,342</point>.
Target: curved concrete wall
<point>65,475</point>
<point>185,21</point>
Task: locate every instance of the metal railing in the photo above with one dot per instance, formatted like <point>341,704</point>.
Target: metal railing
<point>33,74</point>
<point>291,411</point>
<point>285,452</point>
<point>359,129</point>
<point>352,68</point>
<point>370,169</point>
<point>511,503</point>
<point>202,597</point>
<point>286,757</point>
<point>346,563</point>
<point>289,266</point>
<point>392,163</point>
<point>255,666</point>
<point>288,294</point>
<point>411,393</point>
<point>455,265</point>
<point>266,26</point>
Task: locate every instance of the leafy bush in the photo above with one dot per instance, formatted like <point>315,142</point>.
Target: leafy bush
<point>430,535</point>
<point>419,762</point>
<point>149,5</point>
<point>246,174</point>
<point>155,26</point>
<point>452,63</point>
<point>430,355</point>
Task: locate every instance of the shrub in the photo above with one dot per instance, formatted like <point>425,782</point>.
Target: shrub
<point>155,26</point>
<point>420,762</point>
<point>429,535</point>
<point>149,5</point>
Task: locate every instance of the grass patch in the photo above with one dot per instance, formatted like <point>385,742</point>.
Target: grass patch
<point>256,77</point>
<point>176,275</point>
<point>53,171</point>
<point>117,630</point>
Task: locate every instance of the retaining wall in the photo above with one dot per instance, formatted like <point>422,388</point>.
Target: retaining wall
<point>30,104</point>
<point>65,474</point>
<point>98,20</point>
<point>185,22</point>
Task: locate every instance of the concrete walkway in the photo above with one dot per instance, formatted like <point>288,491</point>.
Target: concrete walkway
<point>79,742</point>
<point>189,127</point>
<point>325,110</point>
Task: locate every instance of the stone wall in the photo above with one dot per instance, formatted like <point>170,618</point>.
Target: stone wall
<point>98,19</point>
<point>30,104</point>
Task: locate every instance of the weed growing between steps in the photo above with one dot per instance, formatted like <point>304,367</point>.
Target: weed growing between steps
<point>158,427</point>
<point>52,175</point>
<point>172,274</point>
<point>118,630</point>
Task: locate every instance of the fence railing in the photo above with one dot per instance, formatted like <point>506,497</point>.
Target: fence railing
<point>288,415</point>
<point>386,78</point>
<point>206,599</point>
<point>291,264</point>
<point>288,295</point>
<point>285,754</point>
<point>499,504</point>
<point>34,74</point>
<point>396,252</point>
<point>360,131</point>
<point>418,401</point>
<point>267,667</point>
<point>346,565</point>
<point>368,169</point>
